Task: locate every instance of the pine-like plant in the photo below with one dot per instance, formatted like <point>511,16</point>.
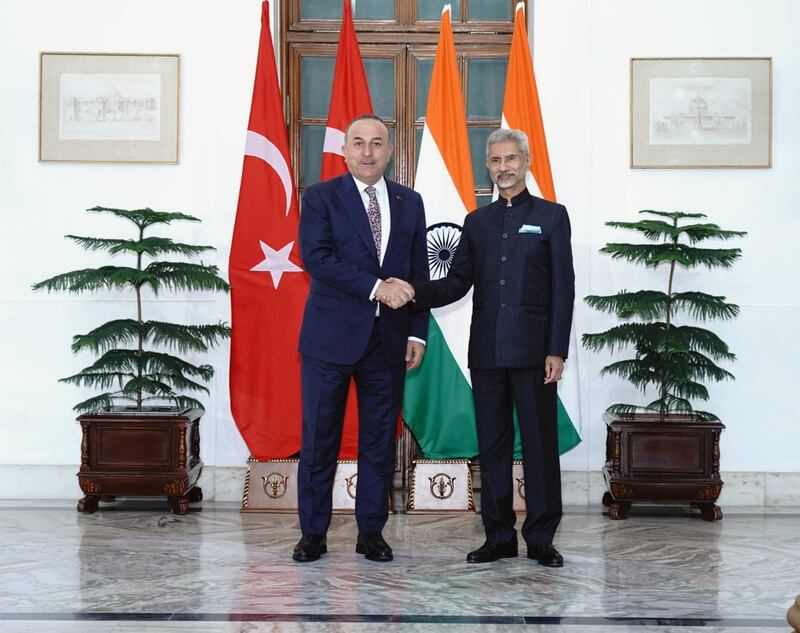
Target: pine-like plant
<point>134,353</point>
<point>674,358</point>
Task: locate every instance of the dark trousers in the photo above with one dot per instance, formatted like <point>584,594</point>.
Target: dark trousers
<point>495,391</point>
<point>379,386</point>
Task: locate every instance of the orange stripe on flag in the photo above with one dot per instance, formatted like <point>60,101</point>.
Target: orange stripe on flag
<point>445,115</point>
<point>521,105</point>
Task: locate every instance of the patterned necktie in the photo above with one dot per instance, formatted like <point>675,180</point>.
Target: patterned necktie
<point>374,217</point>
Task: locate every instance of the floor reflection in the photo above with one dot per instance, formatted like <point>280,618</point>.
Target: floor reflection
<point>142,566</point>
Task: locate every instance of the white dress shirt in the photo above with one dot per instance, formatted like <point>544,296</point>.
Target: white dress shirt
<point>382,194</point>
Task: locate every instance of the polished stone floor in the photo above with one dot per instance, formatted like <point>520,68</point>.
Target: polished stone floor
<point>135,567</point>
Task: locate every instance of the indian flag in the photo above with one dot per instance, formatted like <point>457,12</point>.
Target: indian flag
<point>437,404</point>
<point>521,111</point>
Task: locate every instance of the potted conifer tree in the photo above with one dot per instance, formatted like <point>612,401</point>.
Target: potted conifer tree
<point>665,450</point>
<point>141,432</point>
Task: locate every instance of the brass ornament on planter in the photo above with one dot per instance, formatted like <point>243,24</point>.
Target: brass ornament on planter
<point>518,475</point>
<point>440,485</point>
<point>344,486</point>
<point>271,486</point>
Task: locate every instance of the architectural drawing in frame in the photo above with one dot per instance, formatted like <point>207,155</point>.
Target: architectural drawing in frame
<point>109,108</point>
<point>701,112</point>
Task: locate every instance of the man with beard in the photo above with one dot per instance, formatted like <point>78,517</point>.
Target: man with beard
<point>516,253</point>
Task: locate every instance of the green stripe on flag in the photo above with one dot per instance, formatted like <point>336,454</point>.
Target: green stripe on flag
<point>568,437</point>
<point>437,403</point>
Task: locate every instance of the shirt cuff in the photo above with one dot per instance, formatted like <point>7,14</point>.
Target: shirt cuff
<point>375,290</point>
<point>418,340</point>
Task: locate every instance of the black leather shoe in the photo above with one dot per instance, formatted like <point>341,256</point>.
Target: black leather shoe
<point>490,552</point>
<point>372,545</point>
<point>310,548</point>
<point>546,555</point>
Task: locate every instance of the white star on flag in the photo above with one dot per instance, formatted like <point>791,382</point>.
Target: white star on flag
<point>276,262</point>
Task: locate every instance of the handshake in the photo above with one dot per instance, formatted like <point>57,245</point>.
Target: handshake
<point>394,293</point>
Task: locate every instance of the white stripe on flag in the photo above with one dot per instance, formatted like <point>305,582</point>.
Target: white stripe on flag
<point>444,204</point>
<point>334,141</point>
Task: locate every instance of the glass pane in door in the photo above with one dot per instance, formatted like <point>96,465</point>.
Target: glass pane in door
<point>432,9</point>
<point>490,10</point>
<point>477,149</point>
<point>320,10</point>
<point>311,139</point>
<point>380,77</point>
<point>372,9</point>
<point>424,74</point>
<point>316,77</point>
<point>332,9</point>
<point>486,81</point>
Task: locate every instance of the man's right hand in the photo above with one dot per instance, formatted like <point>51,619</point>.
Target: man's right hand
<point>394,293</point>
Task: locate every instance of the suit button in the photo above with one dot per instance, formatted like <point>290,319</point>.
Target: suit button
<point>502,282</point>
<point>503,258</point>
<point>505,236</point>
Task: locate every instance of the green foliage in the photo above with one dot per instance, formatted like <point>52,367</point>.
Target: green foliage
<point>675,359</point>
<point>130,366</point>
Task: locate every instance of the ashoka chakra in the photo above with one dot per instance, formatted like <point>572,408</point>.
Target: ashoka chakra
<point>443,240</point>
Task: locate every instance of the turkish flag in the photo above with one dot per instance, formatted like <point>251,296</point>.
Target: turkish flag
<point>268,285</point>
<point>349,99</point>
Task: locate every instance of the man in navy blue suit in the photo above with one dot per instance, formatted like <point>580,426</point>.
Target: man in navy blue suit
<point>357,230</point>
<point>516,253</point>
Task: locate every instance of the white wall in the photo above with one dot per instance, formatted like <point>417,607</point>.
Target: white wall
<point>581,55</point>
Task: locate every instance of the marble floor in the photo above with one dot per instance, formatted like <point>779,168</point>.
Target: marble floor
<point>135,567</point>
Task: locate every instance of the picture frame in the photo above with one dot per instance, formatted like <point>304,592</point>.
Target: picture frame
<point>109,107</point>
<point>701,112</point>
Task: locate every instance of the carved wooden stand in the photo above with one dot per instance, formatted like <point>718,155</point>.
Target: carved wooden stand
<point>151,453</point>
<point>674,461</point>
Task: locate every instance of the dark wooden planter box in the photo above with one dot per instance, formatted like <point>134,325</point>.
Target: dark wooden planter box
<point>675,460</point>
<point>153,453</point>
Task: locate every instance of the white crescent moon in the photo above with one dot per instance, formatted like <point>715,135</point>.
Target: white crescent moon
<point>261,147</point>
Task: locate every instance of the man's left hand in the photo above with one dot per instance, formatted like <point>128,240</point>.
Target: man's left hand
<point>414,352</point>
<point>553,368</point>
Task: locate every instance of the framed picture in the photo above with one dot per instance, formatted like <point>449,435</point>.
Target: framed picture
<point>701,112</point>
<point>108,108</point>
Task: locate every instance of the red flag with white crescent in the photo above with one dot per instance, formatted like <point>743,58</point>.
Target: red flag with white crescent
<point>268,284</point>
<point>349,97</point>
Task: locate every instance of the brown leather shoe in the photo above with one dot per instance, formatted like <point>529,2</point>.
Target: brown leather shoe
<point>310,548</point>
<point>372,545</point>
<point>545,554</point>
<point>490,552</point>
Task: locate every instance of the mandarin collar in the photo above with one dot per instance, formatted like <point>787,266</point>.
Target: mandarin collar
<point>521,198</point>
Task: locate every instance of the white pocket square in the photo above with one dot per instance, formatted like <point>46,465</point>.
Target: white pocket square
<point>530,228</point>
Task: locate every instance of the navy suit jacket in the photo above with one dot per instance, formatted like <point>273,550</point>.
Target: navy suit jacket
<point>524,282</point>
<point>339,253</point>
